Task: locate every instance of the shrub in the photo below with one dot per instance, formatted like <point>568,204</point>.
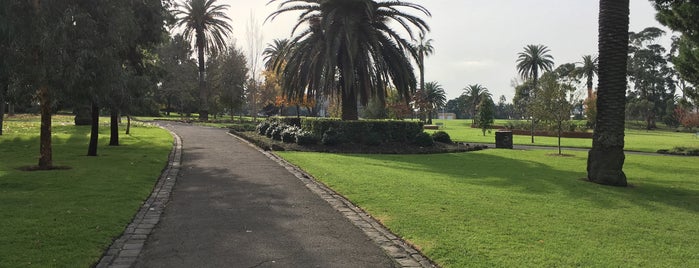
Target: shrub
<point>423,139</point>
<point>360,131</point>
<point>373,139</point>
<point>441,136</point>
<point>277,132</point>
<point>289,134</point>
<point>306,138</point>
<point>332,137</point>
<point>291,121</point>
<point>262,128</point>
<point>272,127</point>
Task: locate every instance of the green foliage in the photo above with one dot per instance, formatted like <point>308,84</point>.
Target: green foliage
<point>289,134</point>
<point>486,114</point>
<point>503,208</point>
<point>67,218</point>
<point>262,127</point>
<point>287,120</point>
<point>423,139</point>
<point>306,138</point>
<point>332,137</point>
<point>357,131</point>
<point>441,136</point>
<point>276,133</point>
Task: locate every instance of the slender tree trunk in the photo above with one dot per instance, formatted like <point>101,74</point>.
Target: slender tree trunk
<point>606,158</point>
<point>94,130</point>
<point>45,149</point>
<point>560,129</point>
<point>2,110</point>
<point>298,111</point>
<point>128,124</point>
<point>203,94</point>
<point>532,129</point>
<point>114,127</point>
<point>11,109</point>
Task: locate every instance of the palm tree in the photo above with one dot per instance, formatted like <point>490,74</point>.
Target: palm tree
<point>435,97</point>
<point>473,95</point>
<point>207,24</point>
<point>606,158</point>
<point>349,50</point>
<point>535,58</point>
<point>588,70</point>
<point>424,49</point>
<point>275,54</point>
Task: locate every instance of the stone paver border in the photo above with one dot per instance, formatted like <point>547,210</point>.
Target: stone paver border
<point>124,250</point>
<point>402,252</point>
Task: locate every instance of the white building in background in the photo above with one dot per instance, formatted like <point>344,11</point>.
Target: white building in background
<point>447,116</point>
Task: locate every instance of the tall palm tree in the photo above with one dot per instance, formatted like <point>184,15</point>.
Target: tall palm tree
<point>588,70</point>
<point>207,24</point>
<point>435,97</point>
<point>275,54</point>
<point>474,94</point>
<point>424,49</point>
<point>606,158</point>
<point>350,50</point>
<point>535,58</point>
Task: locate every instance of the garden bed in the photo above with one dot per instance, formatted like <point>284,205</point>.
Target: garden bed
<point>386,148</point>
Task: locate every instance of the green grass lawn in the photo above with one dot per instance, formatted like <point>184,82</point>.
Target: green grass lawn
<point>636,140</point>
<point>67,218</point>
<point>505,208</point>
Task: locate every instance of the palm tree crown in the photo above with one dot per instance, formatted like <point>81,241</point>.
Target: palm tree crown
<point>588,70</point>
<point>474,94</point>
<point>349,47</point>
<point>275,54</point>
<point>532,60</point>
<point>424,48</point>
<point>209,25</point>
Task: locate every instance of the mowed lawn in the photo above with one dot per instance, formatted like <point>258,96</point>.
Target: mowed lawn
<point>509,208</point>
<point>67,218</point>
<point>636,140</point>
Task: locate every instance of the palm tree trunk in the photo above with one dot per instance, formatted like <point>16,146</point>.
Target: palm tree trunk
<point>203,96</point>
<point>94,130</point>
<point>606,158</point>
<point>349,106</point>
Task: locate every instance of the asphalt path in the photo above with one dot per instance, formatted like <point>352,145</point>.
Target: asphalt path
<point>232,206</point>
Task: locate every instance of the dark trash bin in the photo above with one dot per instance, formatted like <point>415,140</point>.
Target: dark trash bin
<point>503,139</point>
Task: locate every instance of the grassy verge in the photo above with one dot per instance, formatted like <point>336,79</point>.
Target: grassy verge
<point>503,208</point>
<point>67,218</point>
<point>636,140</point>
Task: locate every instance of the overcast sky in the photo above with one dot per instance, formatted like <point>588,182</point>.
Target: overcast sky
<point>477,41</point>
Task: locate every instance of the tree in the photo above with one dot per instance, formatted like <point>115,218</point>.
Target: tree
<point>650,74</point>
<point>178,84</point>
<point>473,96</point>
<point>208,24</point>
<point>275,54</point>
<point>350,50</point>
<point>486,113</point>
<point>606,158</point>
<point>588,71</point>
<point>430,99</point>
<point>681,16</point>
<point>424,49</point>
<point>229,73</point>
<point>550,103</point>
<point>534,59</point>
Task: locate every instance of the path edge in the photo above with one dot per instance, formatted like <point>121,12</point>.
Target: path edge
<point>402,252</point>
<point>124,251</point>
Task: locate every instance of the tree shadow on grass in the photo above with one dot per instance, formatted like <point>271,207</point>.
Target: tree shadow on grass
<point>542,178</point>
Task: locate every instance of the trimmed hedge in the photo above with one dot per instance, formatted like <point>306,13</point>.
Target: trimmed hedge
<point>290,121</point>
<point>370,132</point>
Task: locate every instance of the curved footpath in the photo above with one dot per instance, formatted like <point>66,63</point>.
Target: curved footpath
<point>229,204</point>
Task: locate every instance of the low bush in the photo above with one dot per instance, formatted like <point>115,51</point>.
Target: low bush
<point>441,136</point>
<point>262,128</point>
<point>423,139</point>
<point>373,139</point>
<point>365,131</point>
<point>277,132</point>
<point>306,138</point>
<point>291,121</point>
<point>332,137</point>
<point>289,134</point>
<point>270,129</point>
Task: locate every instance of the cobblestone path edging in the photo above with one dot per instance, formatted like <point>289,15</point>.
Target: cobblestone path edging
<point>124,250</point>
<point>403,253</point>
